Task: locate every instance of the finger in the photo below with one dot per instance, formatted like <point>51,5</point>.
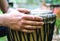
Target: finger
<point>26,11</point>
<point>28,27</point>
<point>33,18</point>
<point>34,23</point>
<point>28,31</point>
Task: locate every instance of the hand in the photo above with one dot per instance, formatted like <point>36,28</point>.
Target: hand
<point>22,22</point>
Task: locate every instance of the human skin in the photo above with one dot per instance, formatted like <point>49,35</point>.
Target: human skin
<point>20,21</point>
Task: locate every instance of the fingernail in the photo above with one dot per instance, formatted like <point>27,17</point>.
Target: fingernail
<point>42,23</point>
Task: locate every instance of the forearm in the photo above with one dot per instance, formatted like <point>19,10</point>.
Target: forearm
<point>4,5</point>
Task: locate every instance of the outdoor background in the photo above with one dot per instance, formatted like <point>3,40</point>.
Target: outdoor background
<point>35,4</point>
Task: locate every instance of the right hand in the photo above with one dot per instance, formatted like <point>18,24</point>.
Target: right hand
<point>22,22</point>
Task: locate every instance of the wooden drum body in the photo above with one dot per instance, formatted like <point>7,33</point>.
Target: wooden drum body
<point>45,33</point>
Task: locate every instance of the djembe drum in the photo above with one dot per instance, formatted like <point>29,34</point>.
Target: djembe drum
<point>45,33</point>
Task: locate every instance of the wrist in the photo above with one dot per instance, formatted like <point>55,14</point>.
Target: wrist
<point>2,20</point>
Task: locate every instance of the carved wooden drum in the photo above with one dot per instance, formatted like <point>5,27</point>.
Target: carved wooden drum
<point>45,33</point>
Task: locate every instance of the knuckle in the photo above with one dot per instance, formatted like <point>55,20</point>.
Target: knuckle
<point>23,17</point>
<point>22,22</point>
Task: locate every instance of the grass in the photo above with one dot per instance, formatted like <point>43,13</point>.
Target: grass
<point>0,12</point>
<point>3,38</point>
